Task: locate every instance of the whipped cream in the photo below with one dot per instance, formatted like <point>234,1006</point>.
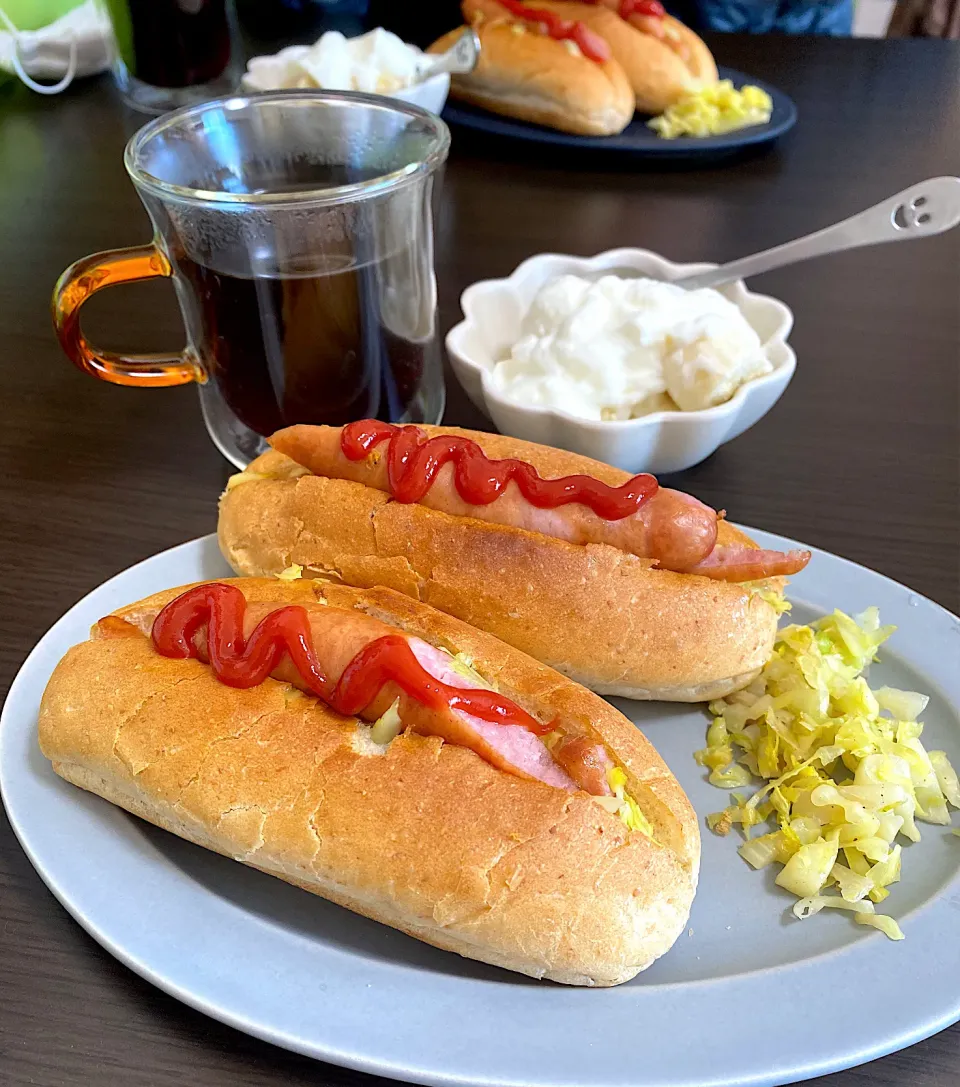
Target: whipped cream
<point>378,63</point>
<point>620,348</point>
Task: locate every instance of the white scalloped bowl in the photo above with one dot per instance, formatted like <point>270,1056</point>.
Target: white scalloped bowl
<point>262,75</point>
<point>664,441</point>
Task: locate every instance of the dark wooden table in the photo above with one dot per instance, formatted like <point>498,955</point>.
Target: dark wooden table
<point>860,456</point>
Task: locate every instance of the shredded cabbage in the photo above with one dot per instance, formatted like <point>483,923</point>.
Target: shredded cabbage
<point>773,597</point>
<point>901,705</point>
<point>946,777</point>
<point>883,922</point>
<point>844,770</point>
<point>759,852</point>
<point>853,887</point>
<point>776,600</point>
<point>863,913</point>
<point>810,907</point>
<point>809,868</point>
<point>244,477</point>
<point>463,666</point>
<point>387,727</point>
<point>627,808</point>
<point>719,107</point>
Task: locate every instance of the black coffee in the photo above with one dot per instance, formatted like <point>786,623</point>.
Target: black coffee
<point>309,349</point>
<point>172,43</point>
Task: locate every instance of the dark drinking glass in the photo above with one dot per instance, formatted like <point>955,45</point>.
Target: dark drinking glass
<point>171,53</point>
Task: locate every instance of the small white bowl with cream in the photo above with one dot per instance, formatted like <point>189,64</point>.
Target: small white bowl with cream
<point>376,63</point>
<point>604,356</point>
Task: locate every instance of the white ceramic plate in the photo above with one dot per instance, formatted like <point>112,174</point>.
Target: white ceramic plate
<point>748,996</point>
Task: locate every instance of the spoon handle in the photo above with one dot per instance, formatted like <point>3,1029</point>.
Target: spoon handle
<point>461,57</point>
<point>930,207</point>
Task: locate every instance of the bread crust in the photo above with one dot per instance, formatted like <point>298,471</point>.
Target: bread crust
<point>701,63</point>
<point>424,836</point>
<point>524,74</point>
<point>656,72</point>
<point>605,618</point>
<point>657,75</point>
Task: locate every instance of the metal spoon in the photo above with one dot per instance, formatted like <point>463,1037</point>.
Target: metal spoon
<point>930,207</point>
<point>461,57</point>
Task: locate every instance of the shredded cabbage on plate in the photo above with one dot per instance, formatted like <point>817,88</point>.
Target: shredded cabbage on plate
<point>713,110</point>
<point>845,772</point>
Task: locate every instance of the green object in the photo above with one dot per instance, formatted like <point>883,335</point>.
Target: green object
<point>119,14</point>
<point>34,14</point>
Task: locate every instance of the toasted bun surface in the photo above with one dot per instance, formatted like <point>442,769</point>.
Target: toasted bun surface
<point>606,618</point>
<point>700,60</point>
<point>524,74</point>
<point>657,75</point>
<point>421,835</point>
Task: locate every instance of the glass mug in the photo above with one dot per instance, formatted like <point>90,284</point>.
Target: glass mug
<point>297,229</point>
<point>170,53</point>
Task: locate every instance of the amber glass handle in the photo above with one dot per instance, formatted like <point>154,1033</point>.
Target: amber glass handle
<point>106,269</point>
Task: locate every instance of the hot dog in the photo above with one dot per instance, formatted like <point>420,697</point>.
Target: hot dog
<point>662,58</point>
<point>212,711</point>
<point>671,527</point>
<point>339,637</point>
<point>650,18</point>
<point>565,79</point>
<point>649,605</point>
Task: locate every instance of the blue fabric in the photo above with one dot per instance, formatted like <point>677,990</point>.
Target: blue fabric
<point>834,17</point>
<point>344,7</point>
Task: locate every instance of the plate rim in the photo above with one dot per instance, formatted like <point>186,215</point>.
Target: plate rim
<point>420,1071</point>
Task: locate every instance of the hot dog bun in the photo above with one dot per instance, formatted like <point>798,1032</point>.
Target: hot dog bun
<point>699,59</point>
<point>595,613</point>
<point>524,74</point>
<point>422,835</point>
<point>656,72</point>
<point>659,70</point>
<point>675,35</point>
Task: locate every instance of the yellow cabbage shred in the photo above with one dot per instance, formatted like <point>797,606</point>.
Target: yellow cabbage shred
<point>774,597</point>
<point>388,726</point>
<point>843,769</point>
<point>713,110</point>
<point>463,666</point>
<point>628,809</point>
<point>291,573</point>
<point>776,600</point>
<point>244,477</point>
